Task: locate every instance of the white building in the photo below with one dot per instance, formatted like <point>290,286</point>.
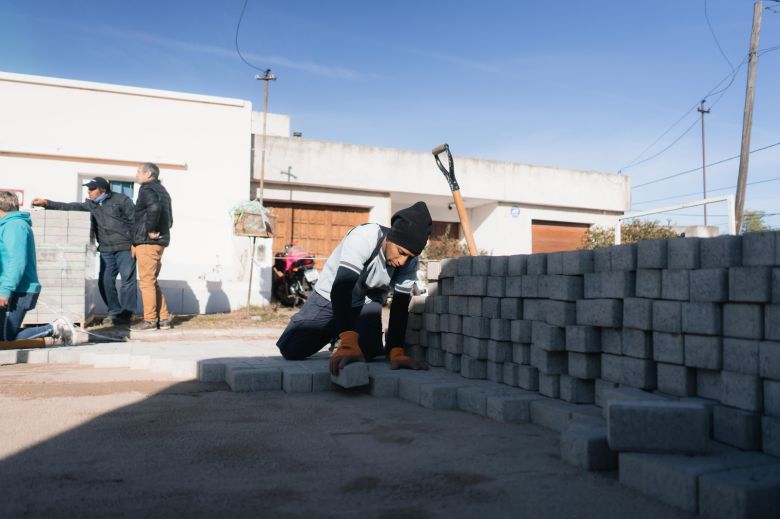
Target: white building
<point>58,133</point>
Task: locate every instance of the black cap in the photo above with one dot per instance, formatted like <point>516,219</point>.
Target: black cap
<point>411,227</point>
<point>98,182</point>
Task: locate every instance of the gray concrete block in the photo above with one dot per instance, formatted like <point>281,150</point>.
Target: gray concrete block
<point>480,265</point>
<point>439,395</point>
<point>611,368</point>
<point>612,340</point>
<point>537,264</point>
<point>496,286</point>
<point>652,254</point>
<point>618,285</point>
<point>528,378</point>
<point>675,284</point>
<point>667,316</point>
<point>473,399</point>
<point>548,337</point>
<point>676,380</point>
<point>351,375</point>
<point>495,372</point>
<point>741,356</point>
<point>585,446</point>
<point>703,351</point>
<point>750,284</point>
<point>457,305</point>
<point>745,493</point>
<point>549,385</point>
<point>412,337</point>
<point>648,283</point>
<point>637,343</point>
<point>721,251</point>
<point>702,318</point>
<point>769,360</point>
<point>516,265</point>
<point>776,285</point>
<point>741,391</point>
<point>432,340</point>
<point>415,321</point>
<point>511,408</point>
<point>584,365</point>
<point>759,248</point>
<point>552,414</point>
<point>447,286</point>
<point>559,313</point>
<point>683,253</point>
<point>744,321</point>
<point>555,263</point>
<point>600,312</point>
<point>499,351</point>
<point>709,285</point>
<point>772,322</point>
<point>452,362</point>
<point>470,285</point>
<point>576,390</point>
<point>521,353</point>
<point>638,373</point>
<point>521,331</point>
<point>452,343</point>
<point>600,388</point>
<point>638,313</point>
<point>676,479</point>
<point>498,265</point>
<point>549,362</point>
<point>475,348</point>
<point>511,308</point>
<point>565,288</point>
<point>577,262</point>
<point>668,347</point>
<point>529,287</point>
<point>254,379</point>
<point>431,322</point>
<point>772,398</point>
<point>474,306</point>
<point>463,265</point>
<point>384,384</point>
<point>602,260</point>
<point>736,427</point>
<point>454,323</point>
<point>533,310</point>
<point>473,368</point>
<point>655,426</point>
<point>500,329</point>
<point>770,435</point>
<point>440,303</point>
<point>624,257</point>
<point>476,327</point>
<point>591,285</point>
<point>296,379</point>
<point>626,394</point>
<point>511,375</point>
<point>708,384</point>
<point>434,357</point>
<point>583,339</point>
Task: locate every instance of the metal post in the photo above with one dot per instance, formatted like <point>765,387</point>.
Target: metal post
<point>267,76</point>
<point>702,111</point>
<point>251,270</point>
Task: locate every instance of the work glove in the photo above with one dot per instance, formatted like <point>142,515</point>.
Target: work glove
<point>399,359</point>
<point>347,351</point>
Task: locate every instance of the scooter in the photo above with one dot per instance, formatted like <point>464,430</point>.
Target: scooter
<point>294,275</point>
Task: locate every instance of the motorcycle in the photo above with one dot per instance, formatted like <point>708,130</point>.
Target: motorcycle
<point>294,275</point>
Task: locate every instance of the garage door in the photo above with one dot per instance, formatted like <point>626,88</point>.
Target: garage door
<point>556,236</point>
<point>316,228</point>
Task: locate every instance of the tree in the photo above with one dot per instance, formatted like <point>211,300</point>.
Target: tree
<point>753,221</point>
<point>630,232</point>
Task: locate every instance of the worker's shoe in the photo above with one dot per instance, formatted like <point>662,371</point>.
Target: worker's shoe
<point>144,326</point>
<point>63,330</point>
<point>165,324</point>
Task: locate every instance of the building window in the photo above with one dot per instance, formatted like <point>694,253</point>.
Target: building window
<point>122,186</point>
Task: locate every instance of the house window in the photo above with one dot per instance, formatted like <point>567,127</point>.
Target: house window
<point>122,186</point>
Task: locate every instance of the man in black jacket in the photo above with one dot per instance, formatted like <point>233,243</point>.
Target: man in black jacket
<point>112,220</point>
<point>151,234</point>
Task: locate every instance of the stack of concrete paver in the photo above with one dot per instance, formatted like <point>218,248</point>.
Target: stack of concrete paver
<point>66,266</point>
<point>678,341</point>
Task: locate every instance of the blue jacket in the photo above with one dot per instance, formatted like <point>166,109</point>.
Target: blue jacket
<point>18,270</point>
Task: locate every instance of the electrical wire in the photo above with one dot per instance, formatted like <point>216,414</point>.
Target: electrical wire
<point>238,26</point>
<point>715,37</point>
<point>709,190</point>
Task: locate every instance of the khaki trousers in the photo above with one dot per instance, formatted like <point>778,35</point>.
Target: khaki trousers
<point>149,260</point>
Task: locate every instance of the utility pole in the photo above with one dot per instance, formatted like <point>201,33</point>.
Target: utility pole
<point>702,111</point>
<point>267,76</point>
<point>747,121</point>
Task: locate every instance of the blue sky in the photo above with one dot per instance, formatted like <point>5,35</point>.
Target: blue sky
<point>584,85</point>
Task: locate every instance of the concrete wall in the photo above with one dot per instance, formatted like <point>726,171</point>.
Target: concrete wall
<point>57,133</point>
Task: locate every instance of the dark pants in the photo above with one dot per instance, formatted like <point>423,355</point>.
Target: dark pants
<point>313,327</point>
<point>121,263</point>
<point>12,316</point>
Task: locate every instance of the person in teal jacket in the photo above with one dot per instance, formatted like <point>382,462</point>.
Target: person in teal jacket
<point>19,286</point>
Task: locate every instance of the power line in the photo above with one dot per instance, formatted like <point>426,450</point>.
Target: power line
<point>711,191</point>
<point>715,37</point>
<point>238,26</point>
<point>697,169</point>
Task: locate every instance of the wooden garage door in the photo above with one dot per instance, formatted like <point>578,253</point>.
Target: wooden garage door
<point>316,228</point>
<point>556,236</point>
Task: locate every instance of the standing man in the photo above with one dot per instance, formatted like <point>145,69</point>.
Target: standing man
<point>151,234</point>
<point>112,220</point>
<point>347,299</point>
<point>19,286</point>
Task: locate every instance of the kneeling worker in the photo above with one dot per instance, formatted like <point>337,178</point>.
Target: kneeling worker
<point>347,299</point>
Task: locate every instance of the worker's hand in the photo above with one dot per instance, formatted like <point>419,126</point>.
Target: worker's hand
<point>399,359</point>
<point>3,303</point>
<point>348,351</point>
<point>154,235</point>
<point>40,202</point>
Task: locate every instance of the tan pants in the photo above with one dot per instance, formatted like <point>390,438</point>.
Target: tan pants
<point>149,260</point>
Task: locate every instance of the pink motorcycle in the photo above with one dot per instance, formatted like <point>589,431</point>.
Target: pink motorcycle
<point>294,275</point>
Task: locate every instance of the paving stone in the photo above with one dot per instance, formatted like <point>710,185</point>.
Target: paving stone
<point>549,385</point>
<point>511,408</point>
<point>532,310</point>
<point>628,394</point>
<point>656,426</point>
<point>721,251</point>
<point>576,390</point>
<point>537,264</point>
<point>703,351</point>
<point>495,372</point>
<point>624,256</point>
<point>511,308</point>
<point>516,265</point>
<point>668,348</point>
<point>498,265</point>
<point>473,368</point>
<point>683,253</point>
<point>612,368</point>
<point>600,312</point>
<point>667,316</point>
<point>583,339</point>
<point>548,337</point>
<point>449,268</point>
<point>470,285</point>
<point>475,348</point>
<point>434,357</point>
<point>584,365</point>
<point>772,398</point>
<point>770,432</point>
<point>409,387</point>
<point>549,362</point>
<point>736,427</point>
<point>496,286</point>
<point>750,284</point>
<point>591,287</point>
<point>447,286</point>
<point>577,262</point>
<point>759,248</point>
<point>473,398</point>
<point>637,343</point>
<point>452,362</point>
<point>452,343</point>
<point>602,260</point>
<point>511,375</point>
<point>741,391</point>
<point>675,284</point>
<point>600,388</point>
<point>776,285</point>
<point>708,384</point>
<point>499,351</point>
<point>480,265</point>
<point>618,285</point>
<point>514,287</point>
<point>352,375</point>
<point>638,373</point>
<point>384,384</point>
<point>521,331</point>
<point>585,446</point>
<point>529,286</point>
<point>769,359</point>
<point>454,324</point>
<point>709,285</point>
<point>652,254</point>
<point>463,265</point>
<point>702,318</point>
<point>521,353</point>
<point>676,380</point>
<point>559,313</point>
<point>555,263</point>
<point>612,340</point>
<point>676,479</point>
<point>439,395</point>
<point>528,378</point>
<point>648,284</point>
<point>565,288</point>
<point>741,356</point>
<point>476,327</point>
<point>253,379</point>
<point>552,414</point>
<point>745,321</point>
<point>500,329</point>
<point>431,322</point>
<point>638,313</point>
<point>296,380</point>
<point>745,493</point>
<point>458,305</point>
<point>772,320</point>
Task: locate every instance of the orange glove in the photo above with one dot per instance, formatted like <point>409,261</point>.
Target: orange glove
<point>348,351</point>
<point>399,359</point>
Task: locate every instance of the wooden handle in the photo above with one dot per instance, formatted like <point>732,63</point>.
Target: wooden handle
<point>441,148</point>
<point>464,221</point>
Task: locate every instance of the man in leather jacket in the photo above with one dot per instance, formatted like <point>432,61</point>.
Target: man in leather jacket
<point>112,220</point>
<point>151,234</point>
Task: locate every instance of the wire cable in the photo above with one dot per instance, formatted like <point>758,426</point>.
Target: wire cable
<point>709,191</point>
<point>238,27</point>
<point>715,37</point>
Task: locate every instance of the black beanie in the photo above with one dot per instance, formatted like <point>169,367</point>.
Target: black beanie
<point>411,227</point>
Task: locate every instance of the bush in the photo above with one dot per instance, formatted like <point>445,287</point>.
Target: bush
<point>631,232</point>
